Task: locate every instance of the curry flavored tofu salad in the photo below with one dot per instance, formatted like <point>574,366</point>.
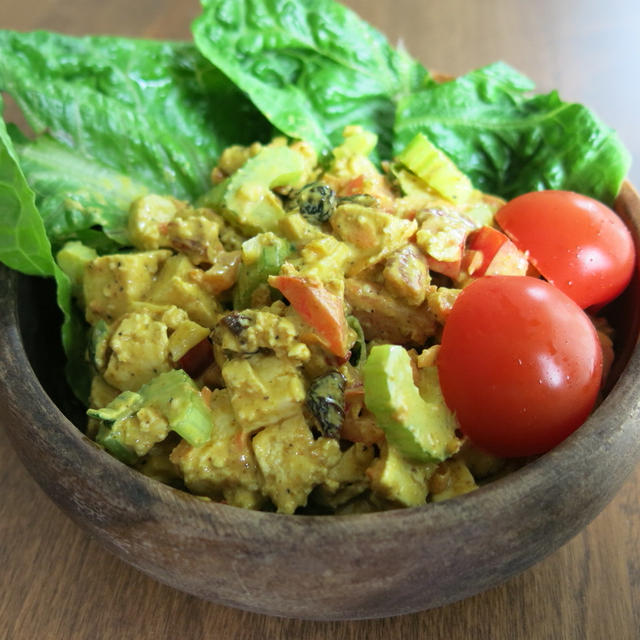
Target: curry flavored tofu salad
<point>273,345</point>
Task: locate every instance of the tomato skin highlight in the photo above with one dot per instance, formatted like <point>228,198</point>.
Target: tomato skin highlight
<point>577,243</point>
<point>520,365</point>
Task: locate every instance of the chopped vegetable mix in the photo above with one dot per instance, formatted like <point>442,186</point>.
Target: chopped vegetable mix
<point>260,299</point>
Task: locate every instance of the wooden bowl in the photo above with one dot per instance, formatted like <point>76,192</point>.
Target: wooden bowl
<point>319,567</point>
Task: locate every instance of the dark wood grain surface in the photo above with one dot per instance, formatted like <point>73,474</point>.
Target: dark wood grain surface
<point>56,582</point>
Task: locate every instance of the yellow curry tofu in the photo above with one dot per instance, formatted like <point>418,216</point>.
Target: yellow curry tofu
<point>112,283</point>
<point>142,430</point>
<point>224,468</point>
<point>264,389</point>
<point>292,462</point>
<point>139,351</point>
<point>255,329</point>
<point>238,344</point>
<point>174,286</point>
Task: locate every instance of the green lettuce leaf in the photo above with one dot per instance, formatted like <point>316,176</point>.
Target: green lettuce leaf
<point>510,142</point>
<point>122,117</point>
<point>25,247</point>
<point>311,67</point>
<point>24,244</point>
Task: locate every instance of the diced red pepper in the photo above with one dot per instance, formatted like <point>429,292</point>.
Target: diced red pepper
<point>318,307</point>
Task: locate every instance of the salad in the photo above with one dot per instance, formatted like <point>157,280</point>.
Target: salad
<point>288,274</point>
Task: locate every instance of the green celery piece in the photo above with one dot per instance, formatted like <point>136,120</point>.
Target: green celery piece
<point>271,167</point>
<point>176,395</point>
<point>107,439</point>
<point>311,67</point>
<point>432,166</point>
<point>251,276</point>
<point>360,144</point>
<point>193,423</point>
<point>419,426</point>
<point>121,407</point>
<point>510,142</point>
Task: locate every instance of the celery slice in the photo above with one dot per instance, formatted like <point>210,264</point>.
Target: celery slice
<point>436,169</point>
<point>110,441</point>
<point>271,257</point>
<point>421,428</point>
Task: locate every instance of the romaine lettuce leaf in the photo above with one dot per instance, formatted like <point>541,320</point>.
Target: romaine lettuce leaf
<point>24,246</point>
<point>122,117</point>
<point>509,141</point>
<point>311,66</point>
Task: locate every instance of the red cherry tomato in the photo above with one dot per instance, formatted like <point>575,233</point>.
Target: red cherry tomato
<point>577,243</point>
<point>520,364</point>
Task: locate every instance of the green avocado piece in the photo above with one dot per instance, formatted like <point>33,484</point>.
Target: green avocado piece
<point>72,259</point>
<point>245,199</point>
<point>419,425</point>
<point>98,345</point>
<point>174,394</point>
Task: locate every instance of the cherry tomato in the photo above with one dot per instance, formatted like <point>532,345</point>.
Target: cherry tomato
<point>577,243</point>
<point>520,364</point>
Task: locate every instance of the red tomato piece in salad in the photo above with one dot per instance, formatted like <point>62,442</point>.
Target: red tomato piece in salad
<point>496,254</point>
<point>577,243</point>
<point>520,364</point>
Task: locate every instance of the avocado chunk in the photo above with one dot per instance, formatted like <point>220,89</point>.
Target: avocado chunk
<point>400,480</point>
<point>173,396</point>
<point>419,425</point>
<point>72,259</point>
<point>245,198</point>
<point>98,344</point>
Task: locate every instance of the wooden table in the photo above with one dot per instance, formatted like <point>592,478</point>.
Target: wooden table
<point>57,583</point>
